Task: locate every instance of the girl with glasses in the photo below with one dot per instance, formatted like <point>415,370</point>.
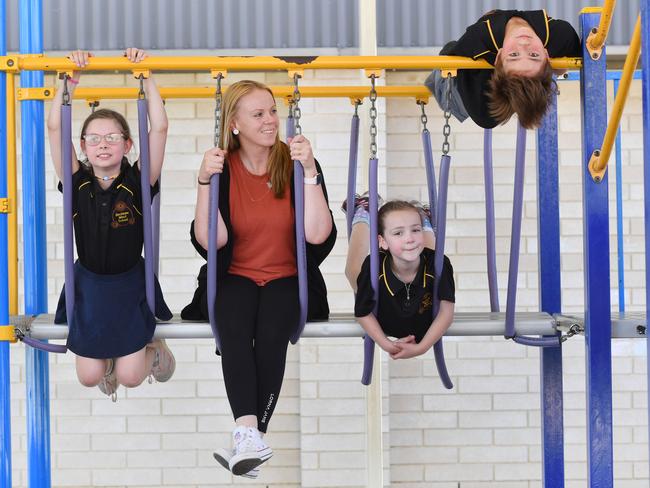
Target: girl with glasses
<point>112,326</point>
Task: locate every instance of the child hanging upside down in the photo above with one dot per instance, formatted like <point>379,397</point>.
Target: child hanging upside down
<point>406,279</point>
<point>519,44</point>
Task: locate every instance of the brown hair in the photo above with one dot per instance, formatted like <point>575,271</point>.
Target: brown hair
<point>280,158</point>
<point>528,97</point>
<point>105,113</point>
<point>393,206</point>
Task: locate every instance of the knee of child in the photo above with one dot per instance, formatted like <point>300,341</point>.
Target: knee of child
<point>129,377</point>
<point>89,377</point>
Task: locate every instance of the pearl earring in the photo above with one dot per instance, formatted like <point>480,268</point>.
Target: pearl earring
<point>235,131</point>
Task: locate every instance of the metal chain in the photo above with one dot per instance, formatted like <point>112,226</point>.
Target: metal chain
<point>574,329</point>
<point>290,114</point>
<point>296,107</point>
<point>446,129</point>
<point>373,118</point>
<point>66,93</point>
<point>94,105</point>
<point>218,97</point>
<point>423,116</point>
<point>357,102</point>
<point>141,95</point>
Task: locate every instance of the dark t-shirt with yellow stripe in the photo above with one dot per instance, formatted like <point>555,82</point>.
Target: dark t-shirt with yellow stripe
<point>483,39</point>
<point>108,223</point>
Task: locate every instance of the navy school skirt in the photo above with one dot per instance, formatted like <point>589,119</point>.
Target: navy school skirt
<point>111,316</point>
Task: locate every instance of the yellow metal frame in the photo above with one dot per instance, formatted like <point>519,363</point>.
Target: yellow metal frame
<point>8,333</point>
<point>353,92</point>
<point>12,218</point>
<point>258,63</point>
<point>597,37</point>
<point>600,157</point>
<point>5,205</point>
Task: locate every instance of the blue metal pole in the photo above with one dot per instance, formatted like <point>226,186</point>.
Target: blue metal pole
<point>548,235</point>
<point>645,58</point>
<point>619,214</point>
<point>5,378</point>
<point>593,91</point>
<point>35,258</point>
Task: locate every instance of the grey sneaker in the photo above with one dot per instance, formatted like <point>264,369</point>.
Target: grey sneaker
<point>223,456</point>
<point>164,363</point>
<point>250,450</point>
<point>108,385</point>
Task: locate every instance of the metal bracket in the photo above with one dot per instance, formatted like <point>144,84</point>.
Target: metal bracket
<point>376,72</point>
<point>9,64</point>
<point>299,72</point>
<point>215,72</point>
<point>595,174</point>
<point>424,100</point>
<point>8,334</point>
<point>144,72</point>
<point>594,53</point>
<point>5,205</point>
<point>446,73</point>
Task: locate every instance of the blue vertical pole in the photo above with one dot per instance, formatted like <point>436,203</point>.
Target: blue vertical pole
<point>593,91</point>
<point>548,235</point>
<point>645,76</point>
<point>5,389</point>
<point>620,253</point>
<point>34,239</point>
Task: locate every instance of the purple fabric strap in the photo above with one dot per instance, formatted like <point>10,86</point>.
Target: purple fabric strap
<point>489,221</point>
<point>517,208</point>
<point>68,234</point>
<point>213,219</point>
<point>301,252</point>
<point>145,188</point>
<point>431,179</point>
<point>352,171</point>
<point>438,351</point>
<point>155,228</point>
<point>44,346</point>
<point>373,204</point>
<point>291,126</point>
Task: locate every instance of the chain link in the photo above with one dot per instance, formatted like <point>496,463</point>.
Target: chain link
<point>141,95</point>
<point>357,102</point>
<point>66,93</point>
<point>574,329</point>
<point>446,129</point>
<point>296,107</point>
<point>373,118</point>
<point>218,97</point>
<point>423,116</point>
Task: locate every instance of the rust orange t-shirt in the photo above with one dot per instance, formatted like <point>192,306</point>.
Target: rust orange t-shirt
<point>263,226</point>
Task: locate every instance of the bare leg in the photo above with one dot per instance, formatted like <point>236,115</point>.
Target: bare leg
<point>90,371</point>
<point>131,370</point>
<point>246,421</point>
<point>358,249</point>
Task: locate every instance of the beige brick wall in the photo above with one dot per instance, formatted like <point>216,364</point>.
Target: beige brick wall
<point>482,434</point>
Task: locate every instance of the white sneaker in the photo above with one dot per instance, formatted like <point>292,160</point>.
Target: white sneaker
<point>223,456</point>
<point>108,385</point>
<point>164,364</point>
<point>250,450</point>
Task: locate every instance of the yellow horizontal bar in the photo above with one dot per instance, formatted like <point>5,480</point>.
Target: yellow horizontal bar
<point>7,333</point>
<point>598,162</point>
<point>597,41</point>
<point>356,92</point>
<point>261,63</point>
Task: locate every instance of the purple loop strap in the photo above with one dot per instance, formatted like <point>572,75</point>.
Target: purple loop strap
<point>515,241</point>
<point>291,126</point>
<point>44,346</point>
<point>490,234</point>
<point>301,251</point>
<point>431,178</point>
<point>352,171</point>
<point>445,162</point>
<point>213,219</point>
<point>145,189</point>
<point>68,226</point>
<point>373,204</point>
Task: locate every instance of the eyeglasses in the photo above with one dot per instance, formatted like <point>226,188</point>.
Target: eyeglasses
<point>95,139</point>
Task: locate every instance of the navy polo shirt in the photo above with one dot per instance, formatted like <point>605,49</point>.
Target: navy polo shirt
<point>404,310</point>
<point>108,223</point>
<point>483,39</point>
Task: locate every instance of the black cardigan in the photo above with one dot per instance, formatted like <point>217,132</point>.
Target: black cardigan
<point>318,308</point>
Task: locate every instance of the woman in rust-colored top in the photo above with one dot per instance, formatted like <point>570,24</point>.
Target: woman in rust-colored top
<point>257,306</point>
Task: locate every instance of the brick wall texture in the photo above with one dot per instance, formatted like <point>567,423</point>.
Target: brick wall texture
<point>485,433</point>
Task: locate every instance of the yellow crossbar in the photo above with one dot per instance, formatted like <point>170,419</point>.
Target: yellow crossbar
<point>353,92</point>
<point>7,333</point>
<point>600,158</point>
<point>597,37</point>
<point>258,63</point>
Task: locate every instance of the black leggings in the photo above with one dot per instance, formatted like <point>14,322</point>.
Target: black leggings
<point>255,323</point>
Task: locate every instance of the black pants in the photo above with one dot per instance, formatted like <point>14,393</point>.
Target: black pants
<point>255,323</point>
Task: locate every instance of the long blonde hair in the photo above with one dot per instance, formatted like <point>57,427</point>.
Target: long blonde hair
<point>279,167</point>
